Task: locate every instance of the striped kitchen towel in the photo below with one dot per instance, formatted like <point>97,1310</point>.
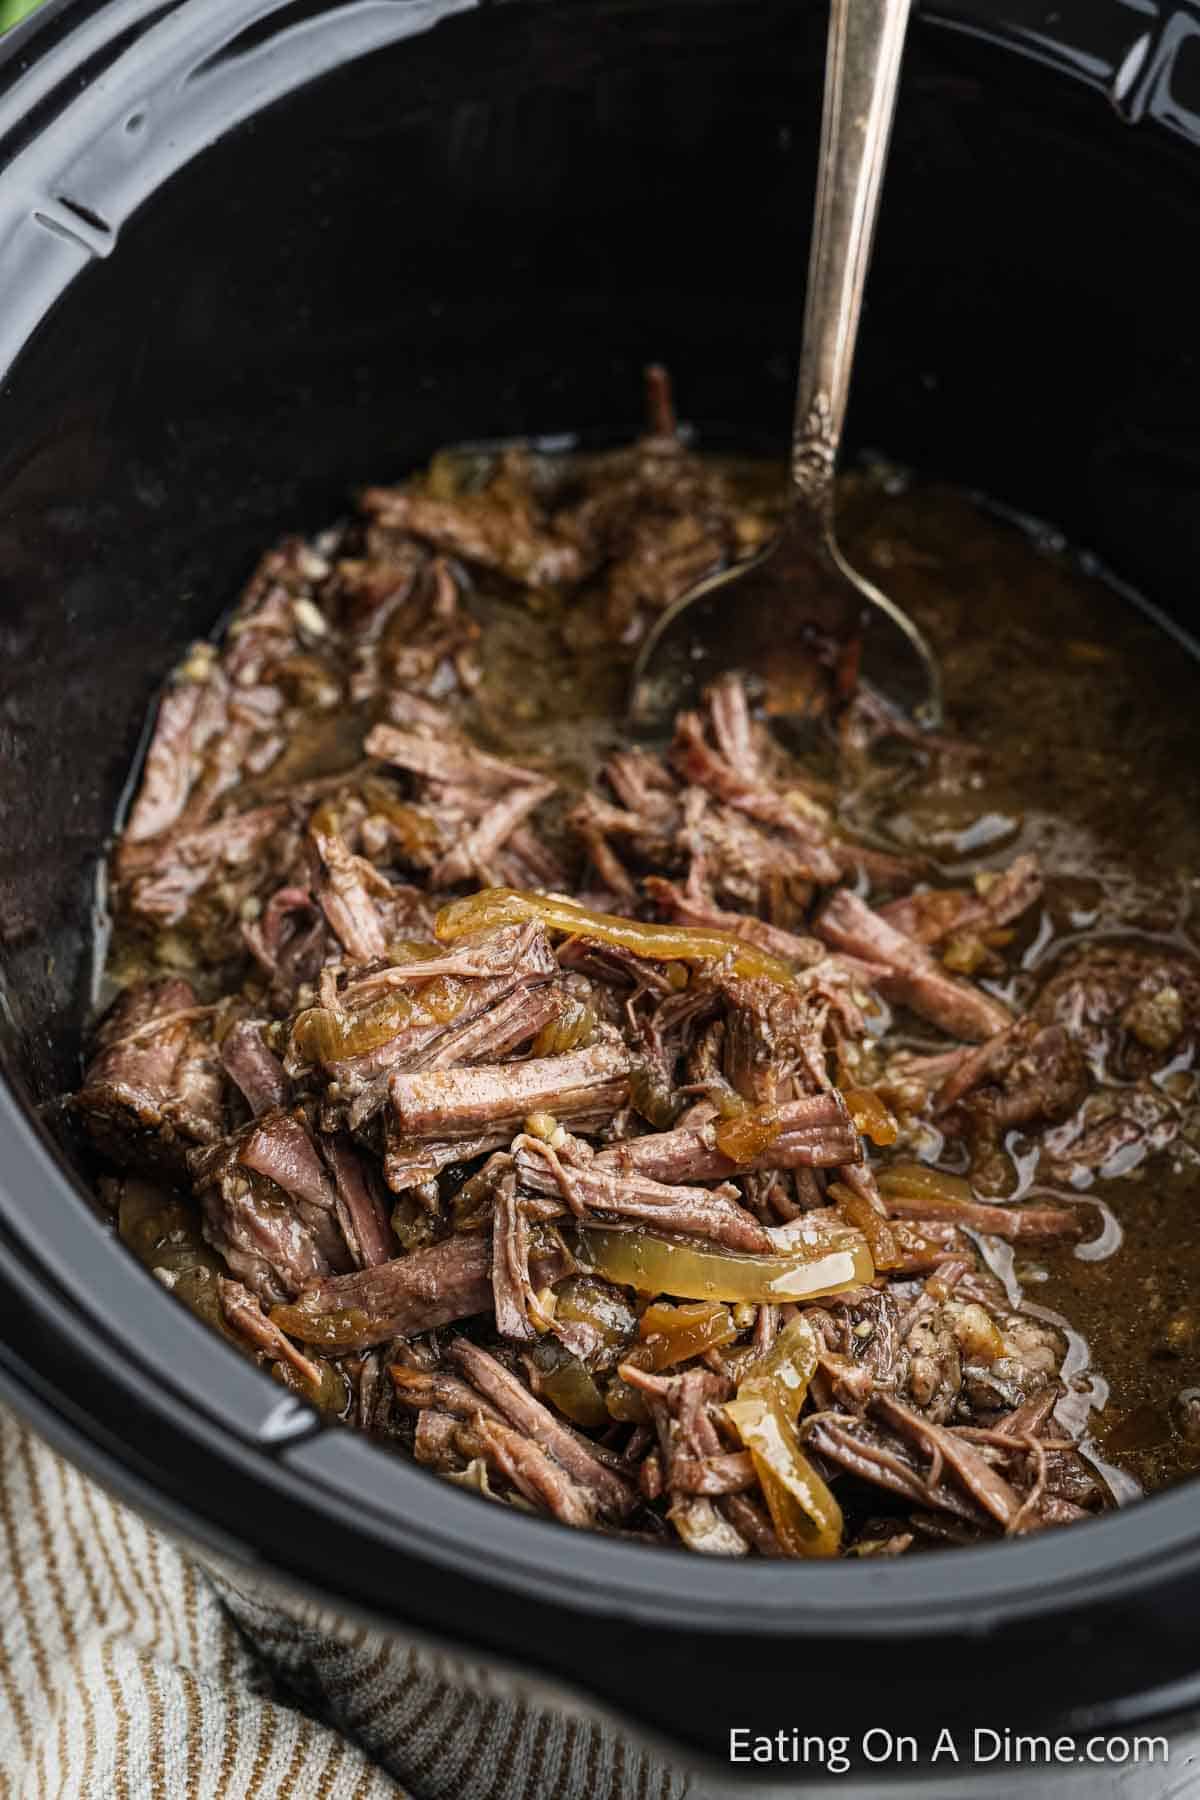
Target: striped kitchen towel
<point>126,1671</point>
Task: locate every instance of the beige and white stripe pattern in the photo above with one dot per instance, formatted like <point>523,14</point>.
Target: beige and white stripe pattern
<point>125,1673</point>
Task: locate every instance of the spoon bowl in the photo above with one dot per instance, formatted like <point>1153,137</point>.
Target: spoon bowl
<point>800,625</point>
<point>798,612</point>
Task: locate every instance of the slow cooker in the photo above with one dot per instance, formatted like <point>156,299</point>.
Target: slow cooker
<point>254,253</point>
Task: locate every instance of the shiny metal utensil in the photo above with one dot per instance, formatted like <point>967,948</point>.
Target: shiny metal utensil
<point>764,616</point>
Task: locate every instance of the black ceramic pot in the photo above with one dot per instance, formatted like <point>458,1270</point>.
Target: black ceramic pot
<point>252,255</point>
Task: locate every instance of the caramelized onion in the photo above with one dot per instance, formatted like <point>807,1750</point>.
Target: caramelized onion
<point>416,831</point>
<point>658,1265</point>
<point>164,1234</point>
<point>878,1230</point>
<point>744,1135</point>
<point>652,1095</point>
<point>573,1029</point>
<point>783,1372</point>
<point>914,1181</point>
<point>324,1036</point>
<point>870,1116</point>
<point>672,1334</point>
<point>329,1394</point>
<point>572,1390</point>
<point>333,1330</point>
<point>624,1403</point>
<point>603,1311</point>
<point>806,1517</point>
<point>658,943</point>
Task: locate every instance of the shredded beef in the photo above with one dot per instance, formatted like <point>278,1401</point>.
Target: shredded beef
<point>152,1087</point>
<point>546,1107</point>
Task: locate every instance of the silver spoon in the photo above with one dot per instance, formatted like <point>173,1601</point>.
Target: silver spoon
<point>764,617</point>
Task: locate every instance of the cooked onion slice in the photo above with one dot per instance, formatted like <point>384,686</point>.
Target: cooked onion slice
<point>804,1269</point>
<point>806,1517</point>
<point>658,943</point>
<point>672,1334</point>
<point>783,1372</point>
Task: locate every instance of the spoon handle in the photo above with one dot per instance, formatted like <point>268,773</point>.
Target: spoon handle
<point>862,74</point>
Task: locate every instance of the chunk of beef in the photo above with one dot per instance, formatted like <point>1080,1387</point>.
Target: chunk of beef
<point>475,855</point>
<point>256,1071</point>
<point>344,894</point>
<point>167,772</point>
<point>416,1293</point>
<point>499,1031</point>
<point>1112,1134</point>
<point>1025,1073</point>
<point>440,754</point>
<point>460,1103</point>
<point>445,1398</point>
<point>360,1211</point>
<point>693,1456</point>
<point>814,1132</point>
<point>520,949</point>
<point>244,1314</point>
<point>880,1537</point>
<point>938,913</point>
<point>588,1188</point>
<point>1025,1374</point>
<point>733,727</point>
<point>1130,1007</point>
<point>407,1165</point>
<point>840,1384</point>
<point>793,813</point>
<point>870,1321</point>
<point>269,1206</point>
<point>221,717</point>
<point>884,1458</point>
<point>261,1237</point>
<point>432,1026</point>
<point>159,879</point>
<point>535,1475</point>
<point>959,1479</point>
<point>287,941</point>
<point>914,978</point>
<point>766,1032</point>
<point>153,1087</point>
<point>611,1493</point>
<point>438,1387</point>
<point>1024,1221</point>
<point>279,1147</point>
<point>519,1313</point>
<point>933,1376</point>
<point>444,1444</point>
<point>747,863</point>
<point>481,529</point>
<point>496,1018</point>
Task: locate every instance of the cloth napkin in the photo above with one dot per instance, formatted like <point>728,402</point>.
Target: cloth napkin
<point>127,1671</point>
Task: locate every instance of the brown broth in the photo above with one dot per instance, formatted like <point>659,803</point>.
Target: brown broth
<point>1087,713</point>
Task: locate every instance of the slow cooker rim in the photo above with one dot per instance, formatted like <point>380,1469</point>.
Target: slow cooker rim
<point>919,1595</point>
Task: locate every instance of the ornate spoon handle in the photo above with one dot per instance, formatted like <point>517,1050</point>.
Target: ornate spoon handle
<point>862,74</point>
